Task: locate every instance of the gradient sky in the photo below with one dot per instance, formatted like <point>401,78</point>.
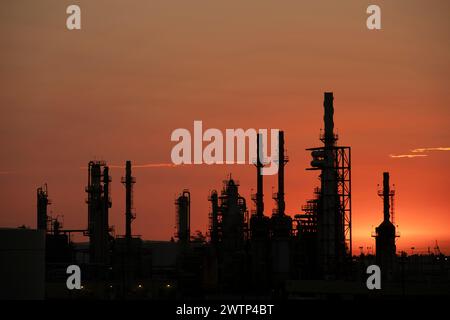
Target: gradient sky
<point>137,70</point>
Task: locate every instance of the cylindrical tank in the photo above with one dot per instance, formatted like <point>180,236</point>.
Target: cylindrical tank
<point>183,204</point>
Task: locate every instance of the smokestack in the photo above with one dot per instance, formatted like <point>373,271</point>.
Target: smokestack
<point>281,163</point>
<point>214,216</point>
<point>259,177</point>
<point>329,138</point>
<point>183,205</point>
<point>107,203</point>
<point>98,207</point>
<point>128,181</point>
<point>42,203</point>
<point>386,195</point>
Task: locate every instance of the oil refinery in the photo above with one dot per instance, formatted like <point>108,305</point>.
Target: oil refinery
<point>247,251</point>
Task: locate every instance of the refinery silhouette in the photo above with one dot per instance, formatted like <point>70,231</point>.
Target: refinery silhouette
<point>245,253</point>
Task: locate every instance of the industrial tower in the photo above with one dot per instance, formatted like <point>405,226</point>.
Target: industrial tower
<point>128,181</point>
<point>228,234</point>
<point>280,223</point>
<point>42,204</point>
<point>334,239</point>
<point>228,217</point>
<point>259,226</point>
<point>183,212</point>
<point>385,233</point>
<point>99,203</point>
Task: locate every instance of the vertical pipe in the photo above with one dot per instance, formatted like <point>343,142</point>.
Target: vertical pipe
<point>328,119</point>
<point>187,194</point>
<point>89,199</point>
<point>42,203</point>
<point>386,194</point>
<point>106,198</point>
<point>183,205</point>
<point>259,177</point>
<point>331,233</point>
<point>281,163</point>
<point>105,216</point>
<point>128,195</point>
<point>214,216</point>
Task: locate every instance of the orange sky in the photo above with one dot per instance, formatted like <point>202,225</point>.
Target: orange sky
<point>137,70</point>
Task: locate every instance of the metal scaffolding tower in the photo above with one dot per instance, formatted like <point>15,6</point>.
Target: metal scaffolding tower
<point>334,213</point>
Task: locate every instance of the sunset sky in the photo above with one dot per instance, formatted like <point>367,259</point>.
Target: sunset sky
<point>116,89</point>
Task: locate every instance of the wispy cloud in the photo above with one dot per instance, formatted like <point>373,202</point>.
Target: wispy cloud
<point>408,155</point>
<point>2,173</point>
<point>144,166</point>
<point>148,165</point>
<point>421,150</point>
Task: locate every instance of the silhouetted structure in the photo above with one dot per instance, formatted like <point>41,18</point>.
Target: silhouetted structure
<point>308,256</point>
<point>334,203</point>
<point>127,250</point>
<point>229,234</point>
<point>42,204</point>
<point>259,228</point>
<point>130,215</point>
<point>215,227</point>
<point>229,223</point>
<point>385,233</point>
<point>183,209</point>
<point>281,225</point>
<point>57,242</point>
<point>99,203</point>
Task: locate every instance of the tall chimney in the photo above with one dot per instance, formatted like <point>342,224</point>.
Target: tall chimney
<point>128,181</point>
<point>107,203</point>
<point>386,196</point>
<point>183,207</point>
<point>98,207</point>
<point>329,138</point>
<point>259,167</point>
<point>214,216</point>
<point>42,203</point>
<point>281,163</point>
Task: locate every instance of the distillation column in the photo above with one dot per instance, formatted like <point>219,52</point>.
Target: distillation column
<point>98,210</point>
<point>183,207</point>
<point>128,181</point>
<point>334,203</point>
<point>329,217</point>
<point>42,204</point>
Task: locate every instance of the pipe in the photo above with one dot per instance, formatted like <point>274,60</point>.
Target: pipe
<point>328,119</point>
<point>259,177</point>
<point>386,195</point>
<point>128,195</point>
<point>106,198</point>
<point>281,163</point>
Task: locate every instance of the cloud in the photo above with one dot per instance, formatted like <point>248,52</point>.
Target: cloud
<point>421,150</point>
<point>156,165</point>
<point>408,155</point>
<point>2,173</point>
<point>148,165</point>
